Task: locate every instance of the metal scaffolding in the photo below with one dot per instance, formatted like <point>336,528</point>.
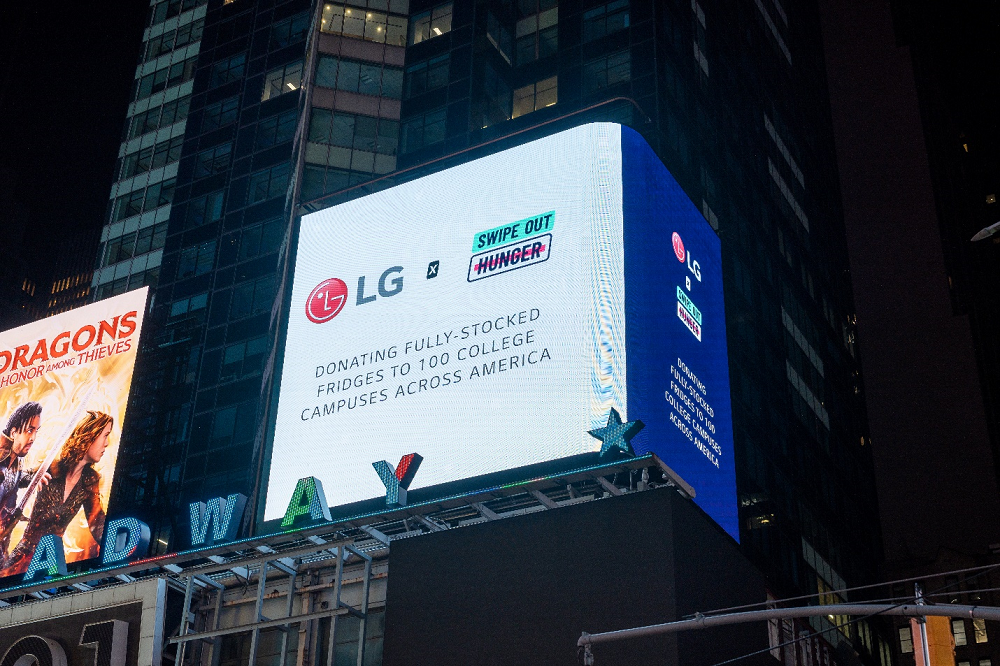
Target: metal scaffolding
<point>313,578</point>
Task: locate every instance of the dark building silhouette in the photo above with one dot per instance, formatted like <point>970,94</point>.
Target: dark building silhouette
<point>246,114</point>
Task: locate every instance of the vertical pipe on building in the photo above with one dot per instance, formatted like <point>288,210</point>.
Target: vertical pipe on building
<point>288,613</point>
<point>185,615</point>
<point>217,641</point>
<point>921,623</point>
<point>365,588</point>
<point>259,616</point>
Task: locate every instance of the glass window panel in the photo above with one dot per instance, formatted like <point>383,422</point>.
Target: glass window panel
<point>333,19</point>
<point>392,83</point>
<point>396,31</point>
<point>350,73</point>
<point>326,72</point>
<point>320,122</point>
<point>547,93</point>
<point>369,80</point>
<point>420,28</point>
<point>343,130</point>
<point>524,101</point>
<point>364,133</point>
<point>354,22</point>
<point>375,27</point>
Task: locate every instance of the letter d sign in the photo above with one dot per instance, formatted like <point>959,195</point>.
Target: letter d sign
<point>124,538</point>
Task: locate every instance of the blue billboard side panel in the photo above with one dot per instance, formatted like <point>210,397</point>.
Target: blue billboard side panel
<point>677,362</point>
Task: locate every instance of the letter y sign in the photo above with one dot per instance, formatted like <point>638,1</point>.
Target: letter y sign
<point>398,479</point>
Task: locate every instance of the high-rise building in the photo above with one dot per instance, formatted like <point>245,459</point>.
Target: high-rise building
<point>73,272</point>
<point>247,113</point>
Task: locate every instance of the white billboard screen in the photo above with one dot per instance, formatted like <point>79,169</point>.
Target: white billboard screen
<point>476,316</point>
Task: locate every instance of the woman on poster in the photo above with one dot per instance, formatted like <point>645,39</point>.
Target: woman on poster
<point>75,483</point>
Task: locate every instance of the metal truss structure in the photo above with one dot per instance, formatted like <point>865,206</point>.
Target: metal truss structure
<point>325,573</point>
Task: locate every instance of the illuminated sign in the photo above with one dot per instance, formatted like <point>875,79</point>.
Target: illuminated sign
<point>493,314</point>
<point>64,386</point>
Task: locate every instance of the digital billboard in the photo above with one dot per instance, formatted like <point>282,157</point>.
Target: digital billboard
<point>64,386</point>
<point>489,316</point>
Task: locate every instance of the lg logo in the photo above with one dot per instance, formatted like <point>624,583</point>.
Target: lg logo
<point>329,297</point>
<point>682,254</point>
<point>326,300</point>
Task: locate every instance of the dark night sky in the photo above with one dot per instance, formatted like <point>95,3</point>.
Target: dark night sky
<point>63,96</point>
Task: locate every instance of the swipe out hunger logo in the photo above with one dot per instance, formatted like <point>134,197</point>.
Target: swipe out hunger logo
<point>326,300</point>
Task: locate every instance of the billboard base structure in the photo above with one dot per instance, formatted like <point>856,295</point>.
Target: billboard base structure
<point>316,590</point>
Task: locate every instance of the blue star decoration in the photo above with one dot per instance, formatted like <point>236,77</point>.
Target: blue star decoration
<point>615,435</point>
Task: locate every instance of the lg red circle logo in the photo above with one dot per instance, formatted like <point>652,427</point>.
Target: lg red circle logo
<point>326,300</point>
<point>678,246</point>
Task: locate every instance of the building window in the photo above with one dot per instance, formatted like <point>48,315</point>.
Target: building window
<point>428,75</point>
<point>496,98</point>
<point>164,78</point>
<point>140,201</point>
<point>535,96</point>
<point>605,19</point>
<point>228,70</point>
<point>220,114</point>
<point>964,663</point>
<point>362,24</point>
<point>196,260</point>
<point>188,305</point>
<point>905,640</point>
<point>268,183</point>
<point>135,243</point>
<point>243,359</point>
<point>289,31</point>
<point>160,116</point>
<point>317,181</point>
<point>350,131</point>
<point>261,239</point>
<point>958,631</point>
<point>174,39</point>
<point>277,129</point>
<point>153,157</point>
<point>607,71</point>
<point>498,35</point>
<point>282,80</point>
<point>359,77</point>
<point>349,142</point>
<point>165,9</point>
<point>538,34</point>
<point>423,130</point>
<point>212,161</point>
<point>204,209</point>
<point>252,297</point>
<point>985,662</point>
<point>979,626</point>
<point>430,24</point>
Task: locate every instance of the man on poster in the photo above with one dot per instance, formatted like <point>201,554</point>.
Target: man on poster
<point>16,440</point>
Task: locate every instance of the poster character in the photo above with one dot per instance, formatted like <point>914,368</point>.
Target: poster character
<point>16,440</point>
<point>74,484</point>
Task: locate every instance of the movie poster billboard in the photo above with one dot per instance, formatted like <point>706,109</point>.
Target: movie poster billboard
<point>64,386</point>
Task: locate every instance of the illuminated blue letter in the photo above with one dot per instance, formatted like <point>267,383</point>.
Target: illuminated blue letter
<point>124,538</point>
<point>223,515</point>
<point>49,559</point>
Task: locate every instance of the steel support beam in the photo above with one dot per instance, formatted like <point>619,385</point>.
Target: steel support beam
<point>707,621</point>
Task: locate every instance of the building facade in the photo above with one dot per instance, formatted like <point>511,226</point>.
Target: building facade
<point>247,113</point>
